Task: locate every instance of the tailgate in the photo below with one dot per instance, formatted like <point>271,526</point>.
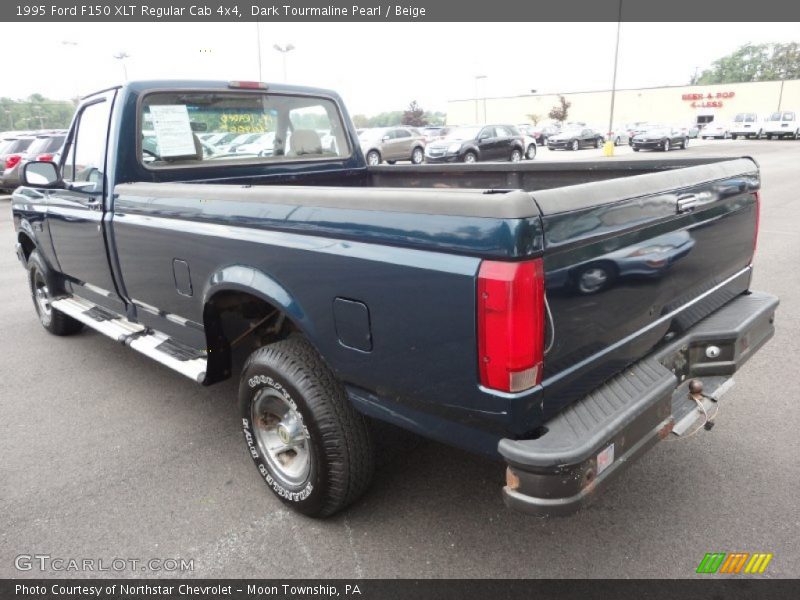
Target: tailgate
<point>631,263</point>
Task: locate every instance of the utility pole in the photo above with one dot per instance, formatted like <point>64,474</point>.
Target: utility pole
<point>477,77</point>
<point>609,146</point>
<point>258,44</point>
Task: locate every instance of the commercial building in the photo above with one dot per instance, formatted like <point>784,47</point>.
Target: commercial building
<point>671,104</point>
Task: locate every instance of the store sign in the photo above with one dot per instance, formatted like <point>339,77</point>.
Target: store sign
<point>708,100</point>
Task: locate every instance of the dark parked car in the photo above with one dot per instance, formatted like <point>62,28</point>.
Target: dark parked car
<point>43,147</point>
<point>11,152</point>
<point>575,139</point>
<point>661,138</point>
<point>477,143</point>
<point>541,133</point>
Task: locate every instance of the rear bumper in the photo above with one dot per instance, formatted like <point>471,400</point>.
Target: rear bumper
<point>594,439</point>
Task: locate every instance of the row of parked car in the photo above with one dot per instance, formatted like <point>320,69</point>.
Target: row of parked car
<point>19,147</point>
<point>776,125</point>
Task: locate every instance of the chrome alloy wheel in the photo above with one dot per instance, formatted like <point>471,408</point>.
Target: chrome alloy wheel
<point>282,437</point>
<point>42,295</point>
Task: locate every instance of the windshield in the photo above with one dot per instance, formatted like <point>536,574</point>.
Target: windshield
<point>660,131</point>
<point>775,116</point>
<point>463,133</point>
<point>274,126</point>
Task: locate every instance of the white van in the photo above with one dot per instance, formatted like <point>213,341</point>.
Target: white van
<point>747,125</point>
<point>783,124</point>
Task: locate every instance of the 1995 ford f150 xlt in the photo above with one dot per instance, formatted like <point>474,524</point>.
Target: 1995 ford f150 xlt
<point>561,317</point>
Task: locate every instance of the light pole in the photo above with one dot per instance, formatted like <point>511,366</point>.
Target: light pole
<point>121,56</point>
<point>609,146</point>
<point>284,50</point>
<point>258,46</point>
<point>10,118</point>
<point>477,77</point>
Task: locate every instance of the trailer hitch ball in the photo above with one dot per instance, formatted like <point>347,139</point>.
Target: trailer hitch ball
<point>695,387</point>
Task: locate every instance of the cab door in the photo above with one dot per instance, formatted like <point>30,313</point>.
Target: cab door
<point>404,143</point>
<point>487,144</point>
<point>76,213</point>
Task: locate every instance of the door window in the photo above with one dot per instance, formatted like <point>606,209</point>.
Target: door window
<point>402,133</point>
<point>86,159</point>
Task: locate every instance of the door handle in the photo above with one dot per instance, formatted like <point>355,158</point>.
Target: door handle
<point>687,203</point>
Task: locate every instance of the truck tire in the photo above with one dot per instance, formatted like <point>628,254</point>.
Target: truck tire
<point>51,319</point>
<point>312,448</point>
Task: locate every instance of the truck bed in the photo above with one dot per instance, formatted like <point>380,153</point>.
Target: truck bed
<point>656,259</point>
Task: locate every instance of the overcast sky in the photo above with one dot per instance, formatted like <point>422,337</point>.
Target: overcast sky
<point>375,66</point>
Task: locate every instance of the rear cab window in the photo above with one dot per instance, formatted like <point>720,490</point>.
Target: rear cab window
<point>206,129</point>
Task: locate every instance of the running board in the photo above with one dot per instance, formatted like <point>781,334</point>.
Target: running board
<point>152,344</point>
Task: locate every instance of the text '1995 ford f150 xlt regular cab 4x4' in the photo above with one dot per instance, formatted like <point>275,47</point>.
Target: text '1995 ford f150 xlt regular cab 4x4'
<point>560,317</point>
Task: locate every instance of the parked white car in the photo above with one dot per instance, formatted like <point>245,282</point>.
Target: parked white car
<point>715,130</point>
<point>747,125</point>
<point>783,124</point>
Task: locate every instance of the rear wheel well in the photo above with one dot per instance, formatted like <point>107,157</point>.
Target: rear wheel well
<point>237,320</point>
<point>27,245</point>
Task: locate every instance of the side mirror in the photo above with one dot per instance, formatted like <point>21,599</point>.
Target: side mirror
<point>41,173</point>
<point>385,138</point>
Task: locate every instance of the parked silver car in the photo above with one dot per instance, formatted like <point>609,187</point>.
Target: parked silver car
<point>391,144</point>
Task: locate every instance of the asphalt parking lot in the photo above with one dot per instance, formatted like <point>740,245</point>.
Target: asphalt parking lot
<point>106,454</point>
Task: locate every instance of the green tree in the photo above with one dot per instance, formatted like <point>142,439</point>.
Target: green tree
<point>360,121</point>
<point>560,111</point>
<point>754,62</point>
<point>414,115</point>
<point>534,118</point>
<point>35,112</point>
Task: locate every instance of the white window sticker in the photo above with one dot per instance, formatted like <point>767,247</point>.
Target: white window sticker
<point>173,130</point>
<point>605,458</point>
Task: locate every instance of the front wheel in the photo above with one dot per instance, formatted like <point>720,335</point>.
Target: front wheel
<point>531,152</point>
<point>574,145</point>
<point>598,142</point>
<point>51,319</point>
<point>417,156</point>
<point>309,444</point>
<point>373,158</point>
<point>685,143</point>
<point>470,157</point>
<point>665,146</point>
<point>516,155</point>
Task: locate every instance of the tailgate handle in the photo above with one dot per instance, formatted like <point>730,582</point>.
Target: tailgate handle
<point>687,202</point>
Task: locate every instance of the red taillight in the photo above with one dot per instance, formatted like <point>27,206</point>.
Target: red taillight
<point>12,160</point>
<point>758,224</point>
<point>45,157</point>
<point>247,85</point>
<point>511,324</point>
